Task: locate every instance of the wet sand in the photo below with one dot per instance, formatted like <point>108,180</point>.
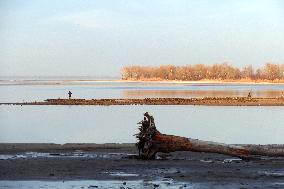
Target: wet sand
<point>208,101</point>
<point>53,162</point>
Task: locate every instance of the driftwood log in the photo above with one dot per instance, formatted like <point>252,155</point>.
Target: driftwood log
<point>151,141</point>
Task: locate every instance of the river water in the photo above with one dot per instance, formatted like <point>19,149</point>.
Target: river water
<point>117,124</point>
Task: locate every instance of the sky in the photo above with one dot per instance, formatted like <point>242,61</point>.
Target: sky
<point>97,38</point>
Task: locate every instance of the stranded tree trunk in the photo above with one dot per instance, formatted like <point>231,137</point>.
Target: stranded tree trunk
<point>151,141</point>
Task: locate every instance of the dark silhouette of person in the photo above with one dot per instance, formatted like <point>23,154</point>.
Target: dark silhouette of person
<point>69,93</point>
<point>249,95</point>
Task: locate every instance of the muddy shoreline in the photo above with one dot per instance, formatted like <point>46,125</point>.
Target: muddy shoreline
<point>207,101</point>
<point>117,162</point>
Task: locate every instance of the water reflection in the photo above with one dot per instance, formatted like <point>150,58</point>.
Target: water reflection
<point>199,93</point>
<point>31,92</point>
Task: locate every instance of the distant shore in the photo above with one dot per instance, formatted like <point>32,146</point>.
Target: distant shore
<point>207,101</point>
<point>148,81</point>
<point>208,81</point>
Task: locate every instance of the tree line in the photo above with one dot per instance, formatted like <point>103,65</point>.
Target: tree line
<point>271,72</point>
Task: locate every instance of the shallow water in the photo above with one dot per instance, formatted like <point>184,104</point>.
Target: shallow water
<point>147,184</point>
<point>15,91</point>
<point>117,124</point>
<point>72,155</point>
<point>90,184</point>
<point>102,124</point>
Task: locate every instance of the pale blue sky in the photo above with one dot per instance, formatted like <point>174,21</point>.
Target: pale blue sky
<point>97,38</point>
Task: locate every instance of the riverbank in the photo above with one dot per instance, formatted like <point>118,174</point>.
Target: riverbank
<point>154,82</point>
<point>207,81</point>
<point>108,162</point>
<point>207,101</point>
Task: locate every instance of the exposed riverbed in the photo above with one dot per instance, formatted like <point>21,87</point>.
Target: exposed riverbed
<point>115,167</point>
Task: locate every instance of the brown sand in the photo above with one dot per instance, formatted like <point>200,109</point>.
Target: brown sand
<point>208,101</point>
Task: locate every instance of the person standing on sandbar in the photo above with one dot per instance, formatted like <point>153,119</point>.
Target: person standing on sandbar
<point>69,93</point>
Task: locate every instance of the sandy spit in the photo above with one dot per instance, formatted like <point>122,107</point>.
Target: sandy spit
<point>207,101</point>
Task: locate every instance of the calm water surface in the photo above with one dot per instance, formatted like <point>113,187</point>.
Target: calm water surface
<point>102,124</point>
<point>111,184</point>
<point>39,91</point>
<point>105,124</point>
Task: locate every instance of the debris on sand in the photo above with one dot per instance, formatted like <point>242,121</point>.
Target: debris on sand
<point>207,101</point>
